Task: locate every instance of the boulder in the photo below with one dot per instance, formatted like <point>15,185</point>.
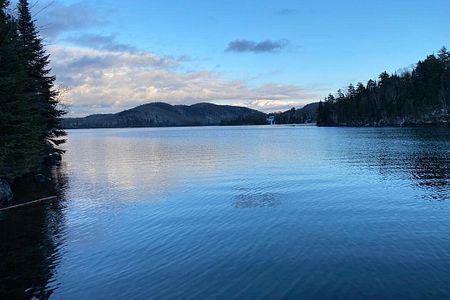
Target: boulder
<point>6,194</point>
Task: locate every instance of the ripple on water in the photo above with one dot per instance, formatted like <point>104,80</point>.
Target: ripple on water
<point>240,212</point>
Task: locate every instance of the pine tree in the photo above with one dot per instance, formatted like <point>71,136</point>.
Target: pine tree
<point>416,97</point>
<point>29,114</point>
<point>20,143</point>
<point>40,82</point>
<point>444,57</point>
<point>444,93</point>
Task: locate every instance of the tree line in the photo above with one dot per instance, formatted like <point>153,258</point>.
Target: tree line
<point>417,97</point>
<point>306,114</point>
<point>30,113</point>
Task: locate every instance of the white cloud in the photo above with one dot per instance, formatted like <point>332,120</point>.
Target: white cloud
<point>56,18</point>
<point>100,41</point>
<point>109,76</point>
<point>101,81</point>
<point>269,105</point>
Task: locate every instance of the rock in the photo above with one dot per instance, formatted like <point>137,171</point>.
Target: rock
<point>6,194</point>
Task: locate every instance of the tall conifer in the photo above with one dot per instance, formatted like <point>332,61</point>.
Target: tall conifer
<point>40,82</point>
<point>29,113</point>
<point>20,143</point>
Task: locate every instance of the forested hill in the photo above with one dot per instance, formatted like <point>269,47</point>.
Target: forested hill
<point>161,114</point>
<point>418,97</point>
<point>306,114</point>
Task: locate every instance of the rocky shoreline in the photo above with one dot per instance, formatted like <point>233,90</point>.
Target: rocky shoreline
<point>438,120</point>
<point>6,194</point>
<point>385,124</point>
<point>29,186</point>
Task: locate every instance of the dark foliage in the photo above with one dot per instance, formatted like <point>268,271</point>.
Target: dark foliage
<point>29,113</point>
<point>307,114</point>
<point>159,114</point>
<point>418,97</point>
<point>251,119</point>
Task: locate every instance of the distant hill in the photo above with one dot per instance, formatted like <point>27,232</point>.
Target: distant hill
<point>307,114</point>
<point>159,114</point>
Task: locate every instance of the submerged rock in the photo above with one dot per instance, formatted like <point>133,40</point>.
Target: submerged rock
<point>6,194</point>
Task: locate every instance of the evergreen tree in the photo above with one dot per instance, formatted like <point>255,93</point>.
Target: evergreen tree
<point>29,114</point>
<point>444,93</point>
<point>444,57</point>
<point>40,82</point>
<point>20,143</point>
<point>416,97</point>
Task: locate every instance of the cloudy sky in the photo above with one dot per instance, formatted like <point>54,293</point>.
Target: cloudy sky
<point>269,55</point>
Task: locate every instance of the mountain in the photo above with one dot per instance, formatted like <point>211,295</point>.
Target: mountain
<point>307,114</point>
<point>159,114</point>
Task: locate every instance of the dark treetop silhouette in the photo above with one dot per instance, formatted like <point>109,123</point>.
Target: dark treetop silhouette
<point>417,97</point>
<point>29,113</point>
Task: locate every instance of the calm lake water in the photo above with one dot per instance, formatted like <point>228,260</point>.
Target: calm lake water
<point>238,213</point>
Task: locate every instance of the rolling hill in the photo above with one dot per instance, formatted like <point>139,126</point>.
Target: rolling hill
<point>159,114</point>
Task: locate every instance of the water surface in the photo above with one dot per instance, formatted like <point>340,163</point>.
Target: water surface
<point>238,213</point>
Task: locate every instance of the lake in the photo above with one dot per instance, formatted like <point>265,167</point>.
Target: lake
<point>238,213</point>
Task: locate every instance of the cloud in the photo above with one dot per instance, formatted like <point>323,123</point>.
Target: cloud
<point>102,42</point>
<point>56,18</point>
<point>71,64</point>
<point>103,81</point>
<point>103,75</point>
<point>287,11</point>
<point>269,105</point>
<point>266,46</point>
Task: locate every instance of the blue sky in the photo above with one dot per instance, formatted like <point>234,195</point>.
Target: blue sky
<point>269,55</point>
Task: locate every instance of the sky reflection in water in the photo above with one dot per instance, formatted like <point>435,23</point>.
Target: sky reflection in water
<point>238,212</point>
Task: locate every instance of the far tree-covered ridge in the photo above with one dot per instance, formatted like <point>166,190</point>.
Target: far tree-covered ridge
<point>304,115</point>
<point>417,97</point>
<point>160,114</point>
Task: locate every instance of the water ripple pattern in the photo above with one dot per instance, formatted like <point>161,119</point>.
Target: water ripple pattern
<point>238,213</point>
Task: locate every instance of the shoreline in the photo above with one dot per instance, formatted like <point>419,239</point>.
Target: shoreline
<point>424,125</point>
